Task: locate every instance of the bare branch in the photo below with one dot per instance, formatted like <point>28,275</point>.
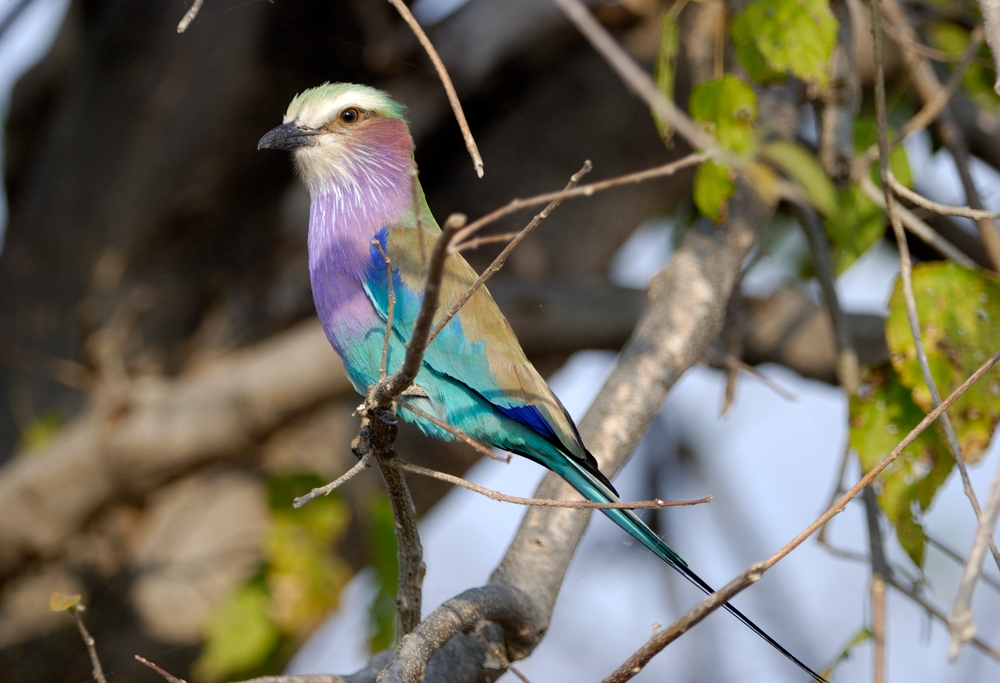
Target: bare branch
<point>502,257</point>
<point>943,209</point>
<point>88,640</point>
<point>190,15</point>
<point>636,77</point>
<point>505,606</point>
<point>383,393</point>
<point>819,248</point>
<point>449,87</point>
<point>925,76</point>
<point>335,484</point>
<point>915,225</point>
<point>481,447</point>
<point>932,610</point>
<point>167,676</point>
<point>961,625</point>
<point>544,502</point>
<point>880,575</point>
<point>582,191</point>
<point>753,574</point>
<point>928,87</point>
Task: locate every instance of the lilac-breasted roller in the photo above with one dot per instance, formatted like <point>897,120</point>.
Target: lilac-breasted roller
<point>353,149</point>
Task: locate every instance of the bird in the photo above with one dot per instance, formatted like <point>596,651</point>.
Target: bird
<point>353,150</point>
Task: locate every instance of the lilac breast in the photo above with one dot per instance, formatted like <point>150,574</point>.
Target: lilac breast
<point>344,216</point>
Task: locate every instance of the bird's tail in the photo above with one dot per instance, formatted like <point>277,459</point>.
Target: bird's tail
<point>594,490</point>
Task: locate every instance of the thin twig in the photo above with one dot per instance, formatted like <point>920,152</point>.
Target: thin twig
<point>961,625</point>
<point>931,53</point>
<point>190,15</point>
<point>819,248</point>
<point>523,232</point>
<point>335,484</point>
<point>502,658</point>
<point>928,87</point>
<point>449,87</point>
<point>477,242</point>
<point>88,640</point>
<point>502,257</point>
<point>912,594</point>
<point>880,575</point>
<point>390,312</point>
<point>455,431</point>
<point>905,263</point>
<point>636,77</point>
<point>166,674</point>
<point>696,614</point>
<point>935,105</point>
<point>915,225</point>
<point>955,557</point>
<point>546,502</point>
<point>737,365</point>
<point>943,209</point>
<point>386,391</point>
<point>409,550</point>
<point>581,191</point>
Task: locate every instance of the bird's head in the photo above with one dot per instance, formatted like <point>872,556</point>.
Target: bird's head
<point>334,128</point>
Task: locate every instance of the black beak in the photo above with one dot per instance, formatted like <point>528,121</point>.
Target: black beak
<point>288,137</point>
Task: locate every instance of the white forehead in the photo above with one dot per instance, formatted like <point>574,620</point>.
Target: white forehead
<point>314,112</point>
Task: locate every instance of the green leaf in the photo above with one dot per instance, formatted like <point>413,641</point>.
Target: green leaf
<point>959,311</point>
<point>881,414</point>
<point>665,71</point>
<point>241,635</point>
<point>381,527</point>
<point>713,186</point>
<point>803,167</point>
<point>863,635</point>
<point>853,228</point>
<point>775,37</point>
<point>727,107</point>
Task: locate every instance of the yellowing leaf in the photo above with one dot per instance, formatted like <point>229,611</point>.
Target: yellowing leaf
<point>881,414</point>
<point>62,603</point>
<point>803,167</point>
<point>712,189</point>
<point>241,635</point>
<point>774,37</point>
<point>303,575</point>
<point>959,311</point>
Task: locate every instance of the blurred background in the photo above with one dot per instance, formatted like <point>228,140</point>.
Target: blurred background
<point>165,390</point>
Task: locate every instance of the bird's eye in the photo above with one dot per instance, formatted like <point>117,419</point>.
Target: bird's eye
<point>350,115</point>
